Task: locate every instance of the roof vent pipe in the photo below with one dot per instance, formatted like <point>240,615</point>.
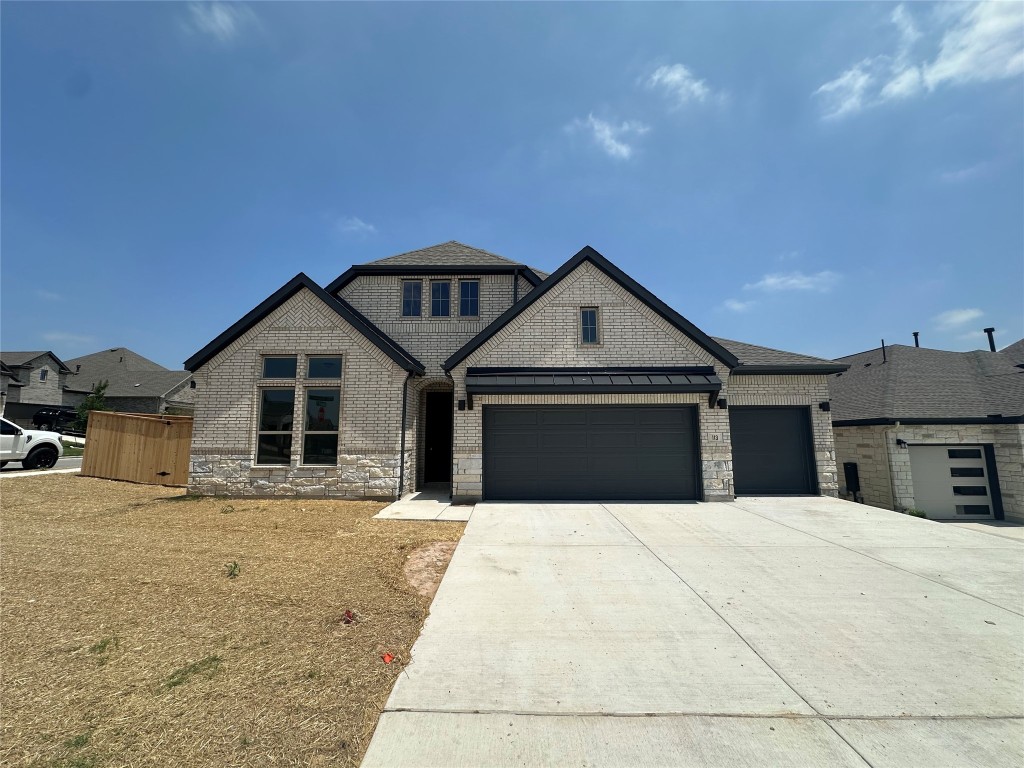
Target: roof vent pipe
<point>917,342</point>
<point>883,351</point>
<point>991,339</point>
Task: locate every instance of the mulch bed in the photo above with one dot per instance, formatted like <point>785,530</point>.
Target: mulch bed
<point>142,627</point>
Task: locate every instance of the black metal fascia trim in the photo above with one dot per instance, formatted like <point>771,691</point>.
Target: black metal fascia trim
<point>587,253</point>
<point>584,389</point>
<point>376,336</point>
<point>880,422</point>
<point>693,370</point>
<point>353,272</point>
<point>796,369</point>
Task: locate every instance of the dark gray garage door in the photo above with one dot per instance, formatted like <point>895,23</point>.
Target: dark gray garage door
<point>563,452</point>
<point>772,451</point>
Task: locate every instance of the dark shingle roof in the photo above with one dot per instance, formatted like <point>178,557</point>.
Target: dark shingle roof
<point>1015,351</point>
<point>14,359</point>
<point>751,354</point>
<point>920,383</point>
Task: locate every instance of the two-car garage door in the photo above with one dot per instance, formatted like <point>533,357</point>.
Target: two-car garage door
<point>590,452</point>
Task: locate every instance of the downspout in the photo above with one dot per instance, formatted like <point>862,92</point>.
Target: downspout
<point>401,460</point>
<point>888,461</point>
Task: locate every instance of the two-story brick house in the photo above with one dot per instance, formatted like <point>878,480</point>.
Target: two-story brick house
<point>34,380</point>
<point>453,365</point>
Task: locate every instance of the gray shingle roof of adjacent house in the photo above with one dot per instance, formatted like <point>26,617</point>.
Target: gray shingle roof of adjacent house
<point>14,359</point>
<point>1015,351</point>
<point>129,374</point>
<point>919,384</point>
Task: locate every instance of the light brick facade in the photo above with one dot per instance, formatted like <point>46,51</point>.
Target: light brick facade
<point>545,334</point>
<point>884,468</point>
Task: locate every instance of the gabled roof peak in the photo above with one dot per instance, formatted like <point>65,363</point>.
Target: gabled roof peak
<point>451,252</point>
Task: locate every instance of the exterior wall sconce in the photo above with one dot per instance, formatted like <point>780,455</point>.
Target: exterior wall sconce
<point>722,404</point>
<point>825,406</point>
<point>901,443</point>
<point>462,405</point>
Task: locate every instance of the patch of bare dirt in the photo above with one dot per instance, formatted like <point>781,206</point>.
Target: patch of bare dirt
<point>145,627</point>
<point>426,565</point>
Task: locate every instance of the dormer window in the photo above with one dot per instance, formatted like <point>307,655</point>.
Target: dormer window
<point>440,298</point>
<point>42,374</point>
<point>411,298</point>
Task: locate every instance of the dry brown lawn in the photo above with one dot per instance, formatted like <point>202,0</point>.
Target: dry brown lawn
<point>125,642</point>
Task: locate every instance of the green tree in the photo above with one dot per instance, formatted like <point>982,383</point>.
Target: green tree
<point>94,402</point>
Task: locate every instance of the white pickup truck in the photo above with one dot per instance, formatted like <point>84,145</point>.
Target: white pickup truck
<point>34,448</point>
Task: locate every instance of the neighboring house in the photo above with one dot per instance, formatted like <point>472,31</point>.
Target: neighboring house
<point>940,432</point>
<point>135,384</point>
<point>35,380</point>
<point>453,365</point>
<point>8,379</point>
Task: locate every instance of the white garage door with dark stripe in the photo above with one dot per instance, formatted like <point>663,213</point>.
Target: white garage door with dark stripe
<point>772,451</point>
<point>589,453</point>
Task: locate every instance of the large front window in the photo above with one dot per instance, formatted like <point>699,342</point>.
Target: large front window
<point>323,417</point>
<point>274,442</point>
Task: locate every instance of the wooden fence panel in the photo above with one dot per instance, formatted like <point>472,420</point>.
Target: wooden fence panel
<point>139,447</point>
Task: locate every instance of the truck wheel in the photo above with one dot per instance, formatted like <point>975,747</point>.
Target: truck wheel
<point>43,457</point>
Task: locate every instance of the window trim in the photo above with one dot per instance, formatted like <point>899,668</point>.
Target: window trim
<point>597,326</point>
<point>447,300</point>
<point>305,431</point>
<point>419,300</point>
<point>474,281</point>
<point>259,419</point>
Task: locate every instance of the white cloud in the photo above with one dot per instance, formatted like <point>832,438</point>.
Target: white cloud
<point>609,137</point>
<point>973,43</point>
<point>47,295</point>
<point>965,174</point>
<point>355,225</point>
<point>221,21</point>
<point>68,338</point>
<point>954,318</point>
<point>986,44</point>
<point>679,83</point>
<point>821,282</point>
<point>846,93</point>
<point>738,306</point>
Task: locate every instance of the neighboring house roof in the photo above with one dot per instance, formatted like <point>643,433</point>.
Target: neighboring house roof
<point>446,258</point>
<point>919,385</point>
<point>127,373</point>
<point>5,371</point>
<point>1015,351</point>
<point>589,254</point>
<point>349,313</point>
<point>765,360</point>
<point>22,359</point>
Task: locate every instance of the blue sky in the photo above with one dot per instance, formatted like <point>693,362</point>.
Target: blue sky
<point>812,177</point>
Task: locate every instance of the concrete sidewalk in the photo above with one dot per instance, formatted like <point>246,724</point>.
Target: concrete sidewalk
<point>798,631</point>
<point>430,503</point>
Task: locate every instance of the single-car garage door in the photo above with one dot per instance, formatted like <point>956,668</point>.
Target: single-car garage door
<point>576,452</point>
<point>772,451</point>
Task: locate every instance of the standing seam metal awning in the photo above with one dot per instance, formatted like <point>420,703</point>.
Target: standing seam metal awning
<point>568,381</point>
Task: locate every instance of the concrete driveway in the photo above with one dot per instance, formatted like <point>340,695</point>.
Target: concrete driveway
<point>766,632</point>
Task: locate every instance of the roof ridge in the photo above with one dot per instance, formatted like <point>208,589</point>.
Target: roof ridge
<point>440,245</point>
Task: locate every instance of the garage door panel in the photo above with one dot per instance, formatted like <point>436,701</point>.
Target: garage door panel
<point>591,452</point>
<point>516,441</point>
<point>772,451</point>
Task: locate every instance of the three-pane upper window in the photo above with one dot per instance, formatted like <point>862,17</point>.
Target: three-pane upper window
<point>440,298</point>
<point>279,367</point>
<point>469,298</point>
<point>588,325</point>
<point>323,368</point>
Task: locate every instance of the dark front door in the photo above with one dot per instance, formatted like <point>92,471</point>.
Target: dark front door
<point>437,438</point>
<point>772,451</point>
<point>574,452</point>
